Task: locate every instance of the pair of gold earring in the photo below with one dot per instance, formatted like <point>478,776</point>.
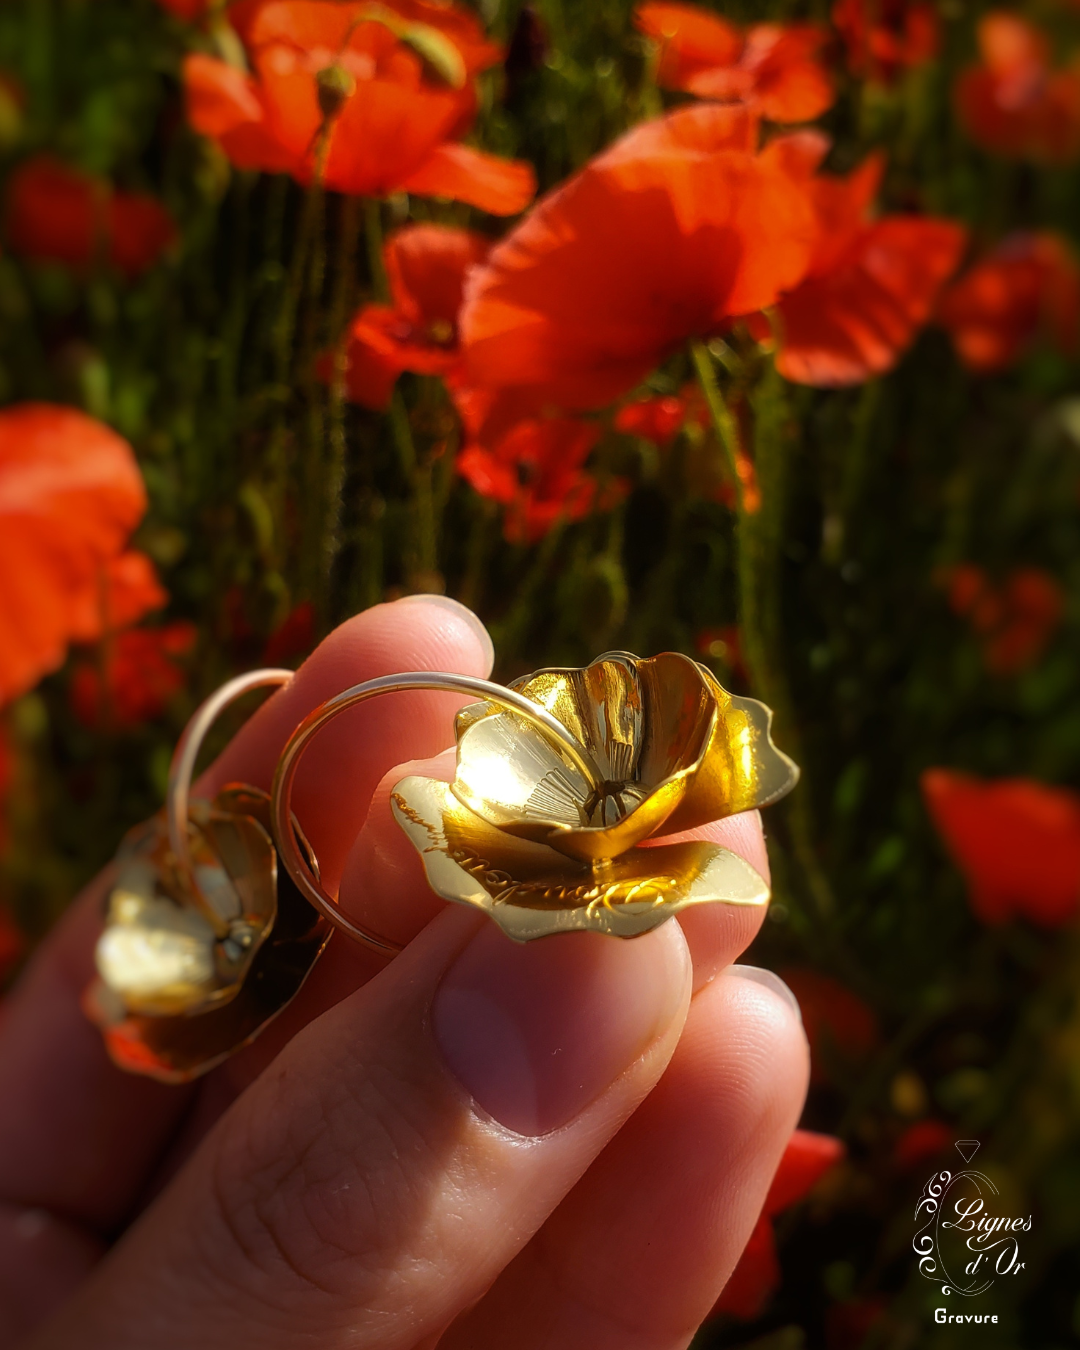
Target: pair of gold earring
<point>218,912</point>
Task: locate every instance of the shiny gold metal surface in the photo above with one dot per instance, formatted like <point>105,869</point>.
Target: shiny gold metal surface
<point>545,845</point>
<point>204,942</point>
<point>531,890</point>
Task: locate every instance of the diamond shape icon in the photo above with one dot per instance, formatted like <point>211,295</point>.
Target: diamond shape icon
<point>967,1148</point>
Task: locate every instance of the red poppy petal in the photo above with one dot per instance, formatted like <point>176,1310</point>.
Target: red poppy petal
<point>219,97</point>
<point>617,268</point>
<point>55,213</point>
<point>855,322</point>
<point>426,266</point>
<point>502,187</point>
<point>70,493</point>
<point>692,40</point>
<point>1016,841</point>
<point>806,1159</point>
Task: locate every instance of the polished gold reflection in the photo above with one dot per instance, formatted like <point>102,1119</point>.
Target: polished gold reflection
<point>184,980</point>
<point>527,836</point>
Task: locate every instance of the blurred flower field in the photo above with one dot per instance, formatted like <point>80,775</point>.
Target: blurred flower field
<point>746,331</point>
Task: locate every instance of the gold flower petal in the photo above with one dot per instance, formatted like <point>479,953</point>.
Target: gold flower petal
<point>740,769</point>
<point>532,890</point>
<point>173,998</point>
<point>671,748</point>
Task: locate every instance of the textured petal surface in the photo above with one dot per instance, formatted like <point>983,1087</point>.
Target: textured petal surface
<point>70,494</point>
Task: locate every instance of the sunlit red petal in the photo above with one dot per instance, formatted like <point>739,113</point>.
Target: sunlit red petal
<point>656,419</point>
<point>782,73</point>
<point>1014,103</point>
<point>535,470</point>
<point>692,40</point>
<point>371,367</point>
<point>806,1160</point>
<point>885,37</point>
<point>125,589</point>
<point>138,677</point>
<point>857,320</point>
<point>1029,285</point>
<point>502,187</point>
<point>219,98</point>
<point>1016,841</point>
<point>70,494</point>
<point>617,268</point>
<point>426,266</point>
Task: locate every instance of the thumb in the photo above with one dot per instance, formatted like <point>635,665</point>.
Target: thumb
<point>401,1149</point>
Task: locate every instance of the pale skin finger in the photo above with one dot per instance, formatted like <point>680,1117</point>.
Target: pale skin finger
<point>79,1140</point>
<point>401,1150</point>
<point>638,1252</point>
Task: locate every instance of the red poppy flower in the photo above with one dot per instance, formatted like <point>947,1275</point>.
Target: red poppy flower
<point>871,284</point>
<point>125,589</point>
<point>773,68</point>
<point>1028,287</point>
<point>807,1158</point>
<point>426,266</point>
<point>658,419</point>
<point>1015,103</point>
<point>665,236</point>
<point>57,214</point>
<point>840,1027</point>
<point>389,85</point>
<point>920,1142</point>
<point>70,494</point>
<point>294,637</point>
<point>886,37</point>
<point>1015,622</point>
<point>1016,841</point>
<point>535,470</point>
<point>135,680</point>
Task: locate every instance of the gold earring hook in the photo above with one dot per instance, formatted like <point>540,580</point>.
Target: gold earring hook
<point>289,851</point>
<point>182,768</point>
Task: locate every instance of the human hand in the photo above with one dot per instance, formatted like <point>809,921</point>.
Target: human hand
<point>564,1144</point>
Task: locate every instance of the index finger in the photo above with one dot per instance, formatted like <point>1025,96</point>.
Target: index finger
<point>78,1136</point>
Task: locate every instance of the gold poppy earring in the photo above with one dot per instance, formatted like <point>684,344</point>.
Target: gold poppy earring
<point>561,779</point>
<point>205,940</point>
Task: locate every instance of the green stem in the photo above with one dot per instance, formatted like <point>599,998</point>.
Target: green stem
<point>722,420</point>
<point>336,441</point>
<point>285,327</point>
<point>373,235</point>
<point>758,540</point>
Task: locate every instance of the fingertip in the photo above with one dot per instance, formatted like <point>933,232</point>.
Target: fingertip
<point>460,626</point>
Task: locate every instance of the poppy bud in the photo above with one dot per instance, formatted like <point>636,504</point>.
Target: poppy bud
<point>335,84</point>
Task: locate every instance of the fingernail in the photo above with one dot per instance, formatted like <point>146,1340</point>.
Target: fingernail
<point>462,612</point>
<point>768,979</point>
<point>535,1033</point>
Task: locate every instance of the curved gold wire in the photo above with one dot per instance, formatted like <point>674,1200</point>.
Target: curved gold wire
<point>182,768</point>
<point>280,808</point>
